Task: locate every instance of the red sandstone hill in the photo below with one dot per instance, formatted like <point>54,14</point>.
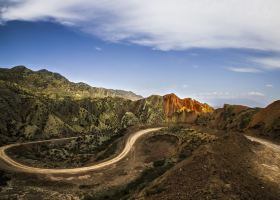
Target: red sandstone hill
<point>173,104</point>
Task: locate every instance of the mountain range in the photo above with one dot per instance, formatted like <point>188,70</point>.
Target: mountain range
<point>54,85</point>
<point>43,104</point>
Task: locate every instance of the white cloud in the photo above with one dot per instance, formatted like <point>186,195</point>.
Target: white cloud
<point>229,95</point>
<point>244,69</point>
<point>217,99</point>
<point>162,24</point>
<point>268,63</point>
<point>216,95</point>
<point>258,94</point>
<point>269,85</point>
<point>194,54</point>
<point>98,49</point>
<point>185,86</point>
<point>260,65</point>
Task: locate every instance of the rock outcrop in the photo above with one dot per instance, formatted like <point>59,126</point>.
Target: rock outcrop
<point>183,110</point>
<point>173,104</point>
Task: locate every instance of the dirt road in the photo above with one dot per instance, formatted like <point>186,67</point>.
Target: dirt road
<point>34,170</point>
<point>265,142</point>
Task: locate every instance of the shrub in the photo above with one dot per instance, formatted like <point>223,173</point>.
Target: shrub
<point>175,128</point>
<point>129,119</point>
<point>159,163</point>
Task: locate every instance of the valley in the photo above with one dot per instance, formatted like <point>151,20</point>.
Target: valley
<point>65,140</point>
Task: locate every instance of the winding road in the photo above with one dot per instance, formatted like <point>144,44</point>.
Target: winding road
<point>129,144</point>
<point>264,142</point>
<point>34,170</point>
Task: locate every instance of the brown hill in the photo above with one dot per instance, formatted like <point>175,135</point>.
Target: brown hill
<point>260,121</point>
<point>267,121</point>
<point>230,117</point>
<point>219,170</point>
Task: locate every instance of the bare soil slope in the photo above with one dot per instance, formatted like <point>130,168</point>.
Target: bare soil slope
<point>225,169</point>
<point>267,121</point>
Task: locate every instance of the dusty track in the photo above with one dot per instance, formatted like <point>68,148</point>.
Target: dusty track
<point>267,143</point>
<point>34,170</point>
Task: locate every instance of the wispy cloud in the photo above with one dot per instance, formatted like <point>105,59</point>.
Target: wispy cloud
<point>217,99</point>
<point>244,69</point>
<point>98,49</point>
<point>258,94</point>
<point>229,95</point>
<point>216,95</point>
<point>194,54</point>
<point>269,85</point>
<point>162,24</point>
<point>268,63</point>
<point>260,64</point>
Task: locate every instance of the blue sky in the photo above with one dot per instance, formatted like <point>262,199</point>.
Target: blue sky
<point>158,55</point>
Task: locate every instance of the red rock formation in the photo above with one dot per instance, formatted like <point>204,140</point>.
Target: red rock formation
<point>173,104</point>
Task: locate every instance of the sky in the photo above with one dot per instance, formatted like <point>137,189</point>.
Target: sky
<point>215,51</point>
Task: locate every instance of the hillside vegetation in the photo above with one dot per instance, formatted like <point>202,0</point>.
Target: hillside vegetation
<point>54,85</point>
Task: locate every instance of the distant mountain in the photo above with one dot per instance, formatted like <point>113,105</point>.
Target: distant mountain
<point>55,85</point>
